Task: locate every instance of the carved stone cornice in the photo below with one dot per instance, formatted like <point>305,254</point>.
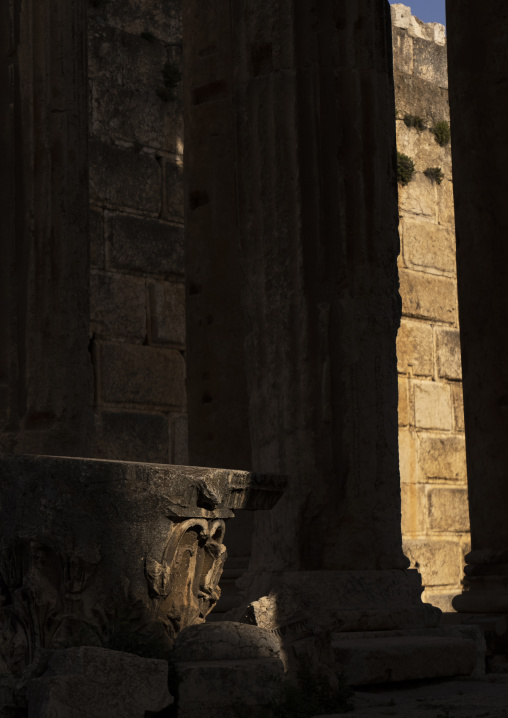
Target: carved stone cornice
<point>110,553</point>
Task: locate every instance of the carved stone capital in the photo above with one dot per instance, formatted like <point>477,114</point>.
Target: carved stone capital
<point>114,554</point>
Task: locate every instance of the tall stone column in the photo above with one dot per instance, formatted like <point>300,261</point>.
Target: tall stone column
<point>290,147</point>
<point>45,367</point>
<point>478,71</point>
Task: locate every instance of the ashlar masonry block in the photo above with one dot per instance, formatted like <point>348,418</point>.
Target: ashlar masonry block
<point>414,508</point>
<point>442,457</point>
<point>448,510</point>
<point>408,456</point>
<point>132,374</point>
<point>432,405</point>
<point>118,306</point>
<point>418,197</point>
<point>428,297</point>
<point>415,348</point>
<point>448,353</point>
<point>403,404</point>
<point>438,560</point>
<point>458,407</point>
<point>167,313</point>
<point>428,245</point>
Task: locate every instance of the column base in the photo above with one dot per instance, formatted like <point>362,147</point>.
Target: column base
<point>485,583</point>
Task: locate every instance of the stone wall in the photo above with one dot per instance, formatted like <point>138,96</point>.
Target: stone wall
<point>435,521</point>
<point>137,298</point>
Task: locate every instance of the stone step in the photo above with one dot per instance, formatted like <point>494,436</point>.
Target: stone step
<point>366,660</point>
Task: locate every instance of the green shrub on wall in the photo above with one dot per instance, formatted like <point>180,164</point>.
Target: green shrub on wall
<point>441,132</point>
<point>405,169</point>
<point>435,174</point>
<point>414,121</point>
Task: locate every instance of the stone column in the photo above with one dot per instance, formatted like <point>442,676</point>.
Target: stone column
<point>290,146</point>
<point>45,367</point>
<point>478,72</point>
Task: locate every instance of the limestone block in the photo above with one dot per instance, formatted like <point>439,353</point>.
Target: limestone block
<point>89,681</point>
<point>418,197</point>
<point>413,508</point>
<point>438,560</point>
<point>385,659</point>
<point>458,407</point>
<point>173,200</point>
<point>96,219</point>
<point>448,510</point>
<point>401,15</point>
<point>230,686</point>
<point>408,456</point>
<point>428,245</point>
<point>131,436</point>
<point>428,297</point>
<point>144,245</point>
<point>415,348</point>
<point>403,404</point>
<point>118,307</point>
<point>415,96</point>
<point>430,62</point>
<point>445,206</point>
<point>124,178</point>
<point>448,353</point>
<point>225,641</point>
<point>442,457</point>
<point>132,374</point>
<point>440,598</point>
<point>180,440</point>
<point>167,313</point>
<point>432,405</point>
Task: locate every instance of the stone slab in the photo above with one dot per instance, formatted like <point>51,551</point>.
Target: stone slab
<point>385,660</point>
<point>90,681</point>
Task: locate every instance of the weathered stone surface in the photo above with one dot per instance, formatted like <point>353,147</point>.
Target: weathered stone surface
<point>173,195</point>
<point>180,440</point>
<point>96,238</point>
<point>418,197</point>
<point>478,85</point>
<point>429,246</point>
<point>438,560</point>
<point>442,457</point>
<point>458,407</point>
<point>432,405</point>
<point>164,21</point>
<point>124,178</point>
<point>416,96</point>
<point>425,152</point>
<point>167,313</point>
<point>408,456</point>
<point>132,436</point>
<point>448,510</point>
<point>152,375</point>
<point>90,681</point>
<point>139,547</point>
<point>367,660</point>
<point>142,245</point>
<point>448,353</point>
<point>415,348</point>
<point>446,210</point>
<point>414,508</point>
<point>404,406</point>
<point>429,61</point>
<point>306,603</point>
<point>118,307</point>
<point>225,641</point>
<point>428,297</point>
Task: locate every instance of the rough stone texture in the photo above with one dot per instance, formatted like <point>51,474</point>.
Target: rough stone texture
<point>439,560</point>
<point>225,641</point>
<point>131,374</point>
<point>367,660</point>
<point>479,85</point>
<point>136,148</point>
<point>45,372</point>
<point>115,553</point>
<point>86,681</point>
<point>431,437</point>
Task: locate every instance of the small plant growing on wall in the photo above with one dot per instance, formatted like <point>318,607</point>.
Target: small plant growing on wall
<point>171,76</point>
<point>441,132</point>
<point>405,169</point>
<point>435,174</point>
<point>414,121</point>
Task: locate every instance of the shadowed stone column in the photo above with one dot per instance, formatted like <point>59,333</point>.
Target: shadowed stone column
<point>45,368</point>
<point>478,70</point>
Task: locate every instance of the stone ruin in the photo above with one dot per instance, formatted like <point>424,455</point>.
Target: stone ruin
<point>110,564</point>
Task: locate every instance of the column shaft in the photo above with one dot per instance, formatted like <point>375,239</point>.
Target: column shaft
<point>478,70</point>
